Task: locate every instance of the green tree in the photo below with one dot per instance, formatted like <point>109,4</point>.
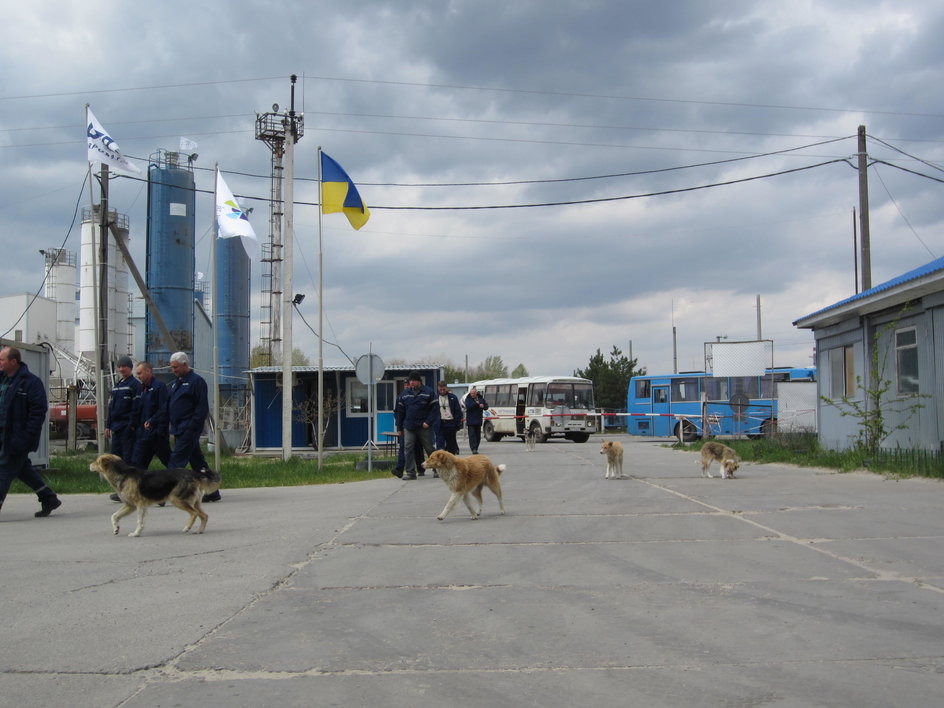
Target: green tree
<point>259,356</point>
<point>493,368</point>
<point>519,372</point>
<point>610,378</point>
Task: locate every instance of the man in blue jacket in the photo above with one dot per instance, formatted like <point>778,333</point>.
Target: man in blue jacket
<point>416,414</point>
<point>188,407</point>
<point>151,436</point>
<point>123,411</point>
<point>23,408</point>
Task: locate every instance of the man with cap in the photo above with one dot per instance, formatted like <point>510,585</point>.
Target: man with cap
<point>123,411</point>
<point>415,415</point>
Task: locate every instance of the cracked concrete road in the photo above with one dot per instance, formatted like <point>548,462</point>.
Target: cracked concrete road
<point>786,586</point>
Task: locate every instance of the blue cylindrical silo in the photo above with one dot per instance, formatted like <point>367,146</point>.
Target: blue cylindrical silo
<point>232,319</point>
<point>171,261</point>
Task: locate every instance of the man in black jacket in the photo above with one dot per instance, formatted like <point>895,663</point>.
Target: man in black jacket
<point>23,408</point>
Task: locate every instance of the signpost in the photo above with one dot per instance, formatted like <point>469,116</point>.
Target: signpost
<point>369,369</point>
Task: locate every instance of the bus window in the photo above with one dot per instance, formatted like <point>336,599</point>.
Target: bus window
<point>768,384</point>
<point>660,395</point>
<point>643,389</point>
<point>560,394</point>
<point>536,395</point>
<point>684,389</point>
<point>716,388</point>
<point>583,396</point>
<point>744,384</point>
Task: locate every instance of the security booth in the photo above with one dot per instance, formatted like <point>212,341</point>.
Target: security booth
<point>345,405</point>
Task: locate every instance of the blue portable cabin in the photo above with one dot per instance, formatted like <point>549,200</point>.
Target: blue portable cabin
<point>346,397</point>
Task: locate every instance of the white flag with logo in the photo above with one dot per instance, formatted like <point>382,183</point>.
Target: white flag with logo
<point>187,145</point>
<point>231,219</point>
<point>101,147</point>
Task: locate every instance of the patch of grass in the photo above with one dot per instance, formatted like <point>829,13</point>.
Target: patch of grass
<point>803,449</point>
<point>69,473</point>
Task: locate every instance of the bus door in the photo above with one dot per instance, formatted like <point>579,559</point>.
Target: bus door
<point>661,409</point>
<point>519,409</point>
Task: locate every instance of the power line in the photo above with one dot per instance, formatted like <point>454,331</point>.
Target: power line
<point>462,87</point>
<point>558,203</point>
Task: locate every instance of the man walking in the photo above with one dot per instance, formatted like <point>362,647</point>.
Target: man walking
<point>151,436</point>
<point>415,415</point>
<point>23,408</point>
<point>187,410</point>
<point>450,419</point>
<point>123,410</point>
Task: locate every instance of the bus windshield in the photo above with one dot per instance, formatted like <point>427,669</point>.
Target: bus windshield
<point>569,395</point>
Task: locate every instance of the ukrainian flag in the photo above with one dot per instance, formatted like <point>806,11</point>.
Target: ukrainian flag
<point>338,194</point>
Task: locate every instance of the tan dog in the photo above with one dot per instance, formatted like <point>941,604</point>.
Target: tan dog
<point>613,449</point>
<point>726,457</point>
<point>139,489</point>
<point>465,476</point>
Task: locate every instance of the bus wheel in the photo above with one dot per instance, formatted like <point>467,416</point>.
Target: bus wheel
<point>689,432</point>
<point>488,432</point>
<point>539,435</point>
<point>580,437</point>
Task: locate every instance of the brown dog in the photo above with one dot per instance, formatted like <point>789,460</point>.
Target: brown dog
<point>726,457</point>
<point>139,489</point>
<point>465,476</point>
<point>613,449</point>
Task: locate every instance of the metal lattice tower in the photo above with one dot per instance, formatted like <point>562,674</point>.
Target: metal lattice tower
<point>271,129</point>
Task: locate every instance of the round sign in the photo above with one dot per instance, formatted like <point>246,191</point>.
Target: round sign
<point>369,369</point>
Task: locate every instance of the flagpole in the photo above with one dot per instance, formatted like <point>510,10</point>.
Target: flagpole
<point>320,314</point>
<point>216,325</point>
<point>99,400</point>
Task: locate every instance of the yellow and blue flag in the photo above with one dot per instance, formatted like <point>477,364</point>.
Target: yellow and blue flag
<point>338,194</point>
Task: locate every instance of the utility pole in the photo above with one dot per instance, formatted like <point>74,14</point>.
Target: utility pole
<point>864,239</point>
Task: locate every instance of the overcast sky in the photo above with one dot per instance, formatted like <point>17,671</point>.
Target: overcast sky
<point>432,106</point>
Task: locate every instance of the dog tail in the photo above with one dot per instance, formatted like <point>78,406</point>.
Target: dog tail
<point>500,468</point>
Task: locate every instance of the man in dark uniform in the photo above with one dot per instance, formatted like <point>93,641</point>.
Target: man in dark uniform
<point>122,411</point>
<point>188,408</point>
<point>415,415</point>
<point>23,408</point>
<point>151,437</point>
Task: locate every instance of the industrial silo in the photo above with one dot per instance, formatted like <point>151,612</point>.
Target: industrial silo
<point>232,319</point>
<point>117,337</point>
<point>171,261</point>
<point>61,280</point>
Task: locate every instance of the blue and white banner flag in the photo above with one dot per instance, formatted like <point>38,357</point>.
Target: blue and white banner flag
<point>232,220</point>
<point>101,147</point>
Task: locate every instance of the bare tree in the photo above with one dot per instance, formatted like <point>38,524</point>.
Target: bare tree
<point>307,412</point>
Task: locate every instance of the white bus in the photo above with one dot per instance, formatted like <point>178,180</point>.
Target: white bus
<point>558,406</point>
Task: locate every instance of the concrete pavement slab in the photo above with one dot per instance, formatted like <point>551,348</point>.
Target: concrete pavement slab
<point>787,586</point>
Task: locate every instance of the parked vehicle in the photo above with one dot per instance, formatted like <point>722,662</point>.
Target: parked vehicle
<point>548,406</point>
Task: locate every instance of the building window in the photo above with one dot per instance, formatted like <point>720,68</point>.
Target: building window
<point>906,358</point>
<point>841,372</point>
<point>358,402</point>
